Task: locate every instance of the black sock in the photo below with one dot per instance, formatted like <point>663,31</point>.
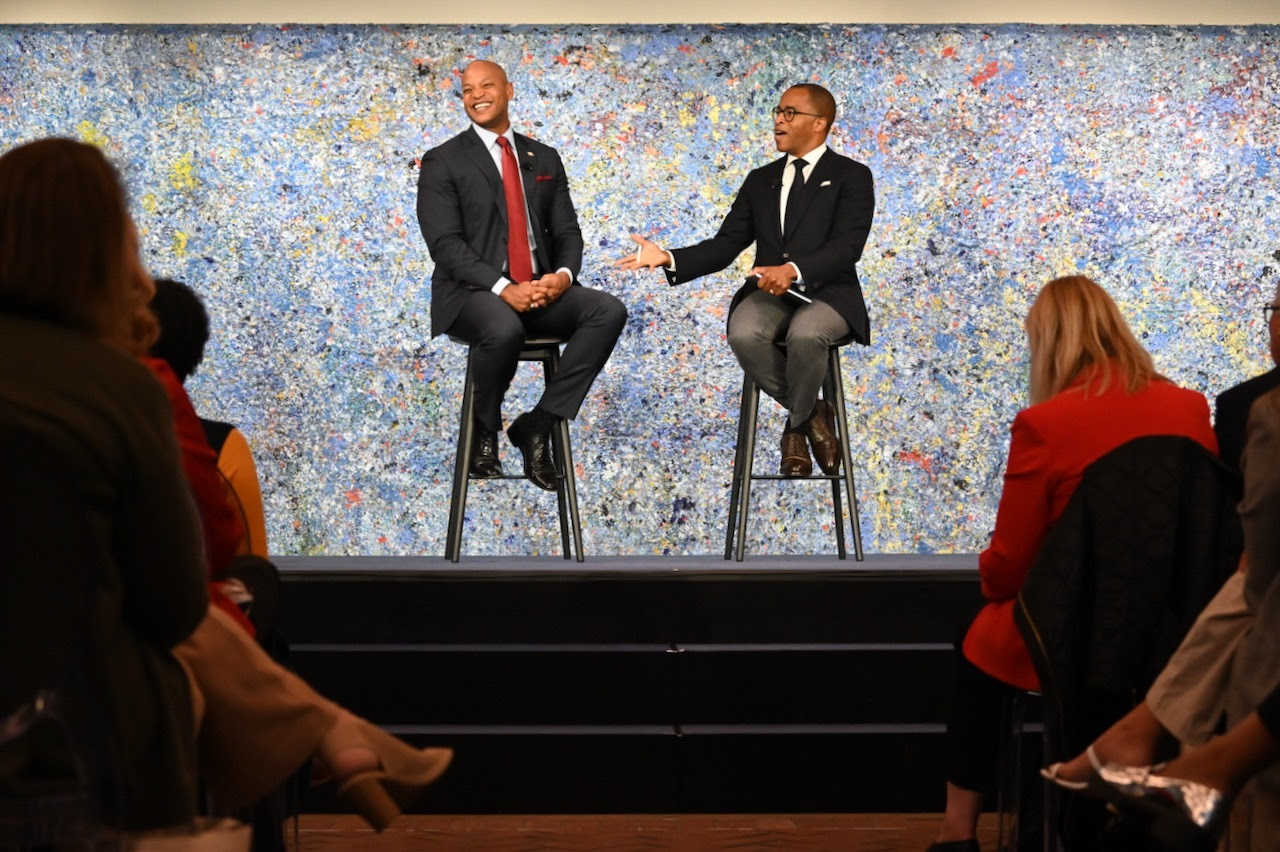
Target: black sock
<point>541,420</point>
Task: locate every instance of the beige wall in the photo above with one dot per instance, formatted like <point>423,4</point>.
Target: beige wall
<point>649,11</point>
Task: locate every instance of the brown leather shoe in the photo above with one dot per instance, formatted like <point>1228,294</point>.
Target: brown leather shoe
<point>821,429</point>
<point>795,454</point>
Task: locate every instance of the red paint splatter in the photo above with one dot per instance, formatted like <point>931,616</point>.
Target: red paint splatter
<point>986,74</point>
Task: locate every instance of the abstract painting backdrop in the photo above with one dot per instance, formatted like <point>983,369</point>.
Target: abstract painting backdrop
<point>274,169</point>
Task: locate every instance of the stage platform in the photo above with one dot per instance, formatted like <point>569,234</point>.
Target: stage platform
<point>651,684</point>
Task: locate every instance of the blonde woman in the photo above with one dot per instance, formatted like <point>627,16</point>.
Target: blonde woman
<point>1093,388</point>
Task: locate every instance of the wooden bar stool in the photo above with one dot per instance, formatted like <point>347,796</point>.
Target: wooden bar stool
<point>547,351</point>
<point>735,542</point>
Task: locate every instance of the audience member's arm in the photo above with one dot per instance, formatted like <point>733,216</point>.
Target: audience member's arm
<point>1260,506</point>
<point>158,541</point>
<point>1023,516</point>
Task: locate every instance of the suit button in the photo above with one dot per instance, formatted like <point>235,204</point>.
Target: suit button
<point>786,256</point>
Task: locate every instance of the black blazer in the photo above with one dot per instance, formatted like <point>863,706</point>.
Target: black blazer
<point>1231,413</point>
<point>463,216</point>
<point>824,236</point>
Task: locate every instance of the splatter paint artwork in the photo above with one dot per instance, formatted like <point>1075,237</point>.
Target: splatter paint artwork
<point>275,170</point>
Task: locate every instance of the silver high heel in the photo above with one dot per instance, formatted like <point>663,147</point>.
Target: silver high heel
<point>1050,772</point>
<point>1181,815</point>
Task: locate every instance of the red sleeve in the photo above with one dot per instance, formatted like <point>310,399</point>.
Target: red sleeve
<point>222,529</point>
<point>1023,517</point>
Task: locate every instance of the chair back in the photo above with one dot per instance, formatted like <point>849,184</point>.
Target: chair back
<point>1146,540</point>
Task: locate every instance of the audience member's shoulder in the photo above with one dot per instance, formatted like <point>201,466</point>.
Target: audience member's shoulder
<point>1250,389</point>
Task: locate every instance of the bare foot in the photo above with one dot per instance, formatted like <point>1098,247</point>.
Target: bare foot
<point>1133,741</point>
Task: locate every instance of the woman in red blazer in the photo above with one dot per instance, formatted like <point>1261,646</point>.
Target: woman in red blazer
<point>1093,388</point>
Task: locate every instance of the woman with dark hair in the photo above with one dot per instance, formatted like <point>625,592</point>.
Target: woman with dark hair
<point>73,324</point>
<point>184,331</point>
<point>1093,388</point>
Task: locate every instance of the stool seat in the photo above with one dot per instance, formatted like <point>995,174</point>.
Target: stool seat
<point>735,543</point>
<point>545,350</point>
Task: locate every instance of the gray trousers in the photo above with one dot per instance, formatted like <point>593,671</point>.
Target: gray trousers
<point>793,377</point>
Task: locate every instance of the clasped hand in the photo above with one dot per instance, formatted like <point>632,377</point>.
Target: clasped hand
<point>774,280</point>
<point>529,295</point>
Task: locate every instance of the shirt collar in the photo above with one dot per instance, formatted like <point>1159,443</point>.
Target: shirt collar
<point>489,138</point>
<point>811,158</point>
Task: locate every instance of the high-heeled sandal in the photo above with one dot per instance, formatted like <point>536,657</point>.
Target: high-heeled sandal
<point>1180,815</point>
<point>1050,772</point>
<point>379,795</point>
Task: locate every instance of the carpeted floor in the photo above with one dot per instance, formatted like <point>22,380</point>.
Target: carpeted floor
<point>628,832</point>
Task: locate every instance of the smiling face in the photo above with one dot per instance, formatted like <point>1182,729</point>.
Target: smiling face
<point>485,93</point>
<point>803,133</point>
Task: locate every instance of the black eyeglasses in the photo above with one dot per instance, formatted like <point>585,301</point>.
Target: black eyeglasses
<point>1268,311</point>
<point>788,113</point>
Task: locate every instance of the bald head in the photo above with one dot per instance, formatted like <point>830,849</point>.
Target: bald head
<point>485,93</point>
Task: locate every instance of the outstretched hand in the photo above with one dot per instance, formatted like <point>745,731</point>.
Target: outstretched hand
<point>648,256</point>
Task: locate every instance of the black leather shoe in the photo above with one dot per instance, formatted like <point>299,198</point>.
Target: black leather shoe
<point>485,463</point>
<point>795,454</point>
<point>821,429</point>
<point>539,467</point>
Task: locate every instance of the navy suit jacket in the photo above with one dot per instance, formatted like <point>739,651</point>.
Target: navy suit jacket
<point>824,236</point>
<point>1231,413</point>
<point>463,217</point>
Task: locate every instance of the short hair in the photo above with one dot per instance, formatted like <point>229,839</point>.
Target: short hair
<point>63,232</point>
<point>824,103</point>
<point>1073,324</point>
<point>184,326</point>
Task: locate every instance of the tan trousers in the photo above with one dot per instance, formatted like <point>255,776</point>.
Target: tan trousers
<point>260,721</point>
<point>1190,693</point>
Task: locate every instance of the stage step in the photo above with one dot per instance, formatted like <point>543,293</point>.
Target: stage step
<point>590,692</point>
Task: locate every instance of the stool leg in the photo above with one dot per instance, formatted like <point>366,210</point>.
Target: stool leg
<point>461,468</point>
<point>842,425</point>
<point>566,482</point>
<point>828,393</point>
<point>735,482</point>
<point>748,461</point>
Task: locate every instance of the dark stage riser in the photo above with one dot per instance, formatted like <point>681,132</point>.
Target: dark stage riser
<point>792,686</point>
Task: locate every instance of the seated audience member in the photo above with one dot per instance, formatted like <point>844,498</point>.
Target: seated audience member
<point>1231,410</point>
<point>83,312</point>
<point>1228,662</point>
<point>184,331</point>
<point>1093,388</point>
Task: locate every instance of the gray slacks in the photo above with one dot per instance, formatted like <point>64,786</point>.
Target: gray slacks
<point>793,377</point>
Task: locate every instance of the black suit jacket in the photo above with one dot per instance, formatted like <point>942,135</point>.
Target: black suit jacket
<point>463,217</point>
<point>824,236</point>
<point>1231,413</point>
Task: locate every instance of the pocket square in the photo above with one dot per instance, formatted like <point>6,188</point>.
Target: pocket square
<point>541,178</point>
<point>824,183</point>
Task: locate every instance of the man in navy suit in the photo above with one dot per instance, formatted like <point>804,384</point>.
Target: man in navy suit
<point>808,213</point>
<point>495,210</point>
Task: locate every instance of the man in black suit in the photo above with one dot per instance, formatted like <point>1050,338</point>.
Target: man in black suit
<point>501,277</point>
<point>809,213</point>
<point>1231,410</point>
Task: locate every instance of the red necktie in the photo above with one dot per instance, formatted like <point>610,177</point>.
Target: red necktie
<point>519,266</point>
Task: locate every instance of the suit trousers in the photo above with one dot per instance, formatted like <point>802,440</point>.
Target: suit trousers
<point>590,322</point>
<point>793,377</point>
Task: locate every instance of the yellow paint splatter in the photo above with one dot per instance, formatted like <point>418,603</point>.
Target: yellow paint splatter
<point>182,174</point>
<point>90,133</point>
<point>180,243</point>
